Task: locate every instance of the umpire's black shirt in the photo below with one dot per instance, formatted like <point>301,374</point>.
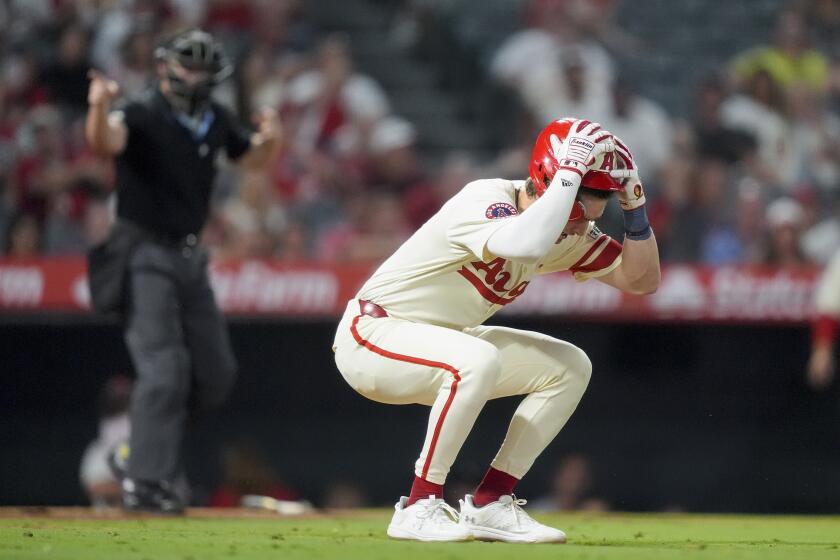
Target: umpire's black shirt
<point>165,174</point>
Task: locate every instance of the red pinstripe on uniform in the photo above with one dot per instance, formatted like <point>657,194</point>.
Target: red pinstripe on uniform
<point>419,361</point>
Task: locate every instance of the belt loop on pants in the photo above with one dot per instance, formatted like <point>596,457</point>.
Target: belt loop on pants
<point>371,309</point>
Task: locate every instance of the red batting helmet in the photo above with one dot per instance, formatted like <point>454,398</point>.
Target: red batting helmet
<point>544,165</point>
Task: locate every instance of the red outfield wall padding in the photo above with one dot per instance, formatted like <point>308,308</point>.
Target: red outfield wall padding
<point>270,288</point>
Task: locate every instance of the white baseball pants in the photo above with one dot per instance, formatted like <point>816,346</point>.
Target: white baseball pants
<point>455,372</point>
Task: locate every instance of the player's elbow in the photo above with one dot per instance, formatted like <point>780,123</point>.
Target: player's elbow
<point>639,282</point>
<point>647,284</point>
<point>646,290</point>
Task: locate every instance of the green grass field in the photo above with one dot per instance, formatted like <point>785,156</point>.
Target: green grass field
<point>362,536</point>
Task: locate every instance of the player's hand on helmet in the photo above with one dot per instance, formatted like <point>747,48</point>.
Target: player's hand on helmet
<point>102,89</point>
<point>633,195</point>
<point>585,142</point>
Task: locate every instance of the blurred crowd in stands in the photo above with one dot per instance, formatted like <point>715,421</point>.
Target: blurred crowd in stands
<point>750,175</point>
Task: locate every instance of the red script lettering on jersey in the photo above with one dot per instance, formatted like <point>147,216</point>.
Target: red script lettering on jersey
<point>493,287</point>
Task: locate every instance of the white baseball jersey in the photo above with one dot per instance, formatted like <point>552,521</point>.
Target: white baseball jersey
<point>826,323</point>
<point>443,275</point>
<point>827,297</point>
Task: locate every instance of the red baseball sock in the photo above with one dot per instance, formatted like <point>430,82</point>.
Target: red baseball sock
<point>422,489</point>
<point>495,483</point>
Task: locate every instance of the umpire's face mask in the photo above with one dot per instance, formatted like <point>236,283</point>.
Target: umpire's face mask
<point>189,90</point>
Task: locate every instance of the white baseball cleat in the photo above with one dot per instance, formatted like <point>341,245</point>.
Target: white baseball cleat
<point>429,519</point>
<point>505,520</point>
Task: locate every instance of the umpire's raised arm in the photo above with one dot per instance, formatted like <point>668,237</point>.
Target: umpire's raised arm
<point>105,132</point>
<point>265,142</point>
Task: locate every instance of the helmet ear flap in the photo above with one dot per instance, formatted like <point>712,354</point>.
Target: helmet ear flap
<point>578,211</point>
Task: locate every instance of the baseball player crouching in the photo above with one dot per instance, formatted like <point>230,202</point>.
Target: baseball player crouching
<point>414,332</point>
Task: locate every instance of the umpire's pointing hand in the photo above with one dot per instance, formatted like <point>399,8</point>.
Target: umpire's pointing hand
<point>102,89</point>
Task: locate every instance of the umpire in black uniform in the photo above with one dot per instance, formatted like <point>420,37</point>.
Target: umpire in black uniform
<point>153,268</point>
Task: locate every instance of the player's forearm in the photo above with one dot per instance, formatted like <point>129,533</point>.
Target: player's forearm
<point>96,128</point>
<point>640,265</point>
<point>530,235</point>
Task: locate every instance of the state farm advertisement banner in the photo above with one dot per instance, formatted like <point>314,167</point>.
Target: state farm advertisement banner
<point>264,287</point>
<point>268,288</point>
<point>685,294</point>
<point>248,287</point>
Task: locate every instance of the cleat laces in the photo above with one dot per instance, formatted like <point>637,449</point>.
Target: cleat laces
<point>438,512</point>
<point>523,520</point>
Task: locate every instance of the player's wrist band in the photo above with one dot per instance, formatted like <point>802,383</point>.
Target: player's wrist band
<point>636,224</point>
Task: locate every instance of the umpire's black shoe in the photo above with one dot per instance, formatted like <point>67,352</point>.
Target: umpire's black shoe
<point>150,497</point>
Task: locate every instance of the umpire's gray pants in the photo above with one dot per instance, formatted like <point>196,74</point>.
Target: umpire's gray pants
<point>180,349</point>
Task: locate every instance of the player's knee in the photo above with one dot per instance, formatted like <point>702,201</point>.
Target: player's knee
<point>485,367</point>
<point>580,368</point>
